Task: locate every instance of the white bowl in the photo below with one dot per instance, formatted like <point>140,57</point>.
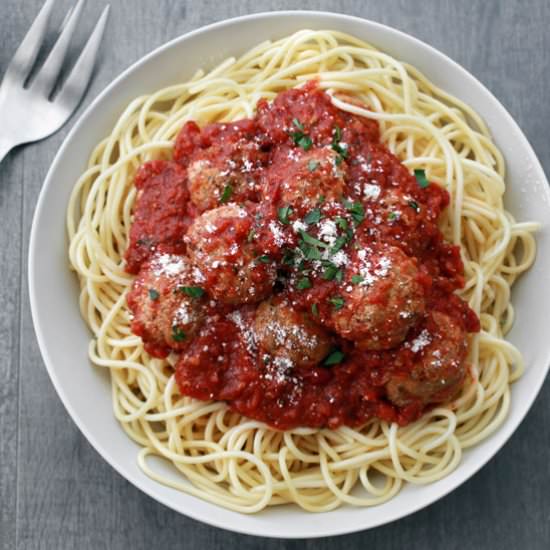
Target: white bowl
<point>63,336</point>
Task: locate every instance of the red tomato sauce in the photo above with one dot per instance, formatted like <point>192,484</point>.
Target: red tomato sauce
<point>303,166</point>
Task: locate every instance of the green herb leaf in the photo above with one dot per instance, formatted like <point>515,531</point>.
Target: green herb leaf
<point>312,165</point>
<point>337,146</point>
<point>288,256</point>
<point>227,192</point>
<point>356,279</point>
<point>193,291</point>
<point>342,223</point>
<point>414,205</point>
<point>357,211</point>
<point>337,302</point>
<point>302,267</point>
<point>392,216</point>
<point>303,283</point>
<point>315,310</point>
<point>265,259</point>
<point>339,243</point>
<point>303,141</point>
<point>339,275</point>
<point>177,334</point>
<point>298,124</point>
<point>153,294</point>
<point>321,199</point>
<point>334,358</point>
<point>311,252</point>
<point>312,240</point>
<point>313,217</point>
<point>421,178</point>
<point>330,272</point>
<point>283,213</point>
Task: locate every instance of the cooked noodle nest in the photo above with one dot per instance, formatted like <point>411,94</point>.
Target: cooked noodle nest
<point>219,455</point>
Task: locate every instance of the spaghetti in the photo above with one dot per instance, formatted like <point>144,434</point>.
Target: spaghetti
<point>242,464</point>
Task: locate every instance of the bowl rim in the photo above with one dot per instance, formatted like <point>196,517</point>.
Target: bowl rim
<point>505,431</point>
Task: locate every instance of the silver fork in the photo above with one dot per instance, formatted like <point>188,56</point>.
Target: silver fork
<point>29,113</point>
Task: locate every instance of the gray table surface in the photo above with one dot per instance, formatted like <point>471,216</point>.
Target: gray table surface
<point>56,492</point>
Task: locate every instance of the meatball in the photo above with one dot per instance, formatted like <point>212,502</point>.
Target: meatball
<point>382,299</point>
<point>302,179</point>
<point>218,247</point>
<point>282,331</point>
<point>166,304</point>
<point>223,161</point>
<point>209,184</point>
<point>438,367</point>
<point>403,219</point>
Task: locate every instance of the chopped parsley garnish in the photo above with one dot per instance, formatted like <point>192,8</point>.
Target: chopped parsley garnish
<point>315,310</point>
<point>283,213</point>
<point>298,124</point>
<point>288,256</point>
<point>356,279</point>
<point>193,291</point>
<point>392,216</point>
<point>265,259</point>
<point>310,252</point>
<point>313,217</point>
<point>342,223</point>
<point>312,165</point>
<point>332,272</point>
<point>302,141</point>
<point>339,243</point>
<point>153,294</point>
<point>421,178</point>
<point>334,357</point>
<point>321,199</point>
<point>312,240</point>
<point>357,211</point>
<point>337,146</point>
<point>303,283</point>
<point>414,205</point>
<point>337,302</point>
<point>300,138</point>
<point>227,193</point>
<point>177,334</point>
<point>302,267</point>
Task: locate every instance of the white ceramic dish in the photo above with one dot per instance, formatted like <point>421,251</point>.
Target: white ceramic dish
<point>63,335</point>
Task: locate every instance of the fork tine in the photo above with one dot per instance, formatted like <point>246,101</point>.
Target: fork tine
<point>49,72</point>
<point>25,56</point>
<point>77,82</point>
<point>65,19</point>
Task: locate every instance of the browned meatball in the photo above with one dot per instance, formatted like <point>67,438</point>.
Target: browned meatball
<point>281,331</point>
<point>208,182</point>
<point>397,219</point>
<point>438,366</point>
<point>302,178</point>
<point>166,304</point>
<point>218,247</point>
<point>382,298</point>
